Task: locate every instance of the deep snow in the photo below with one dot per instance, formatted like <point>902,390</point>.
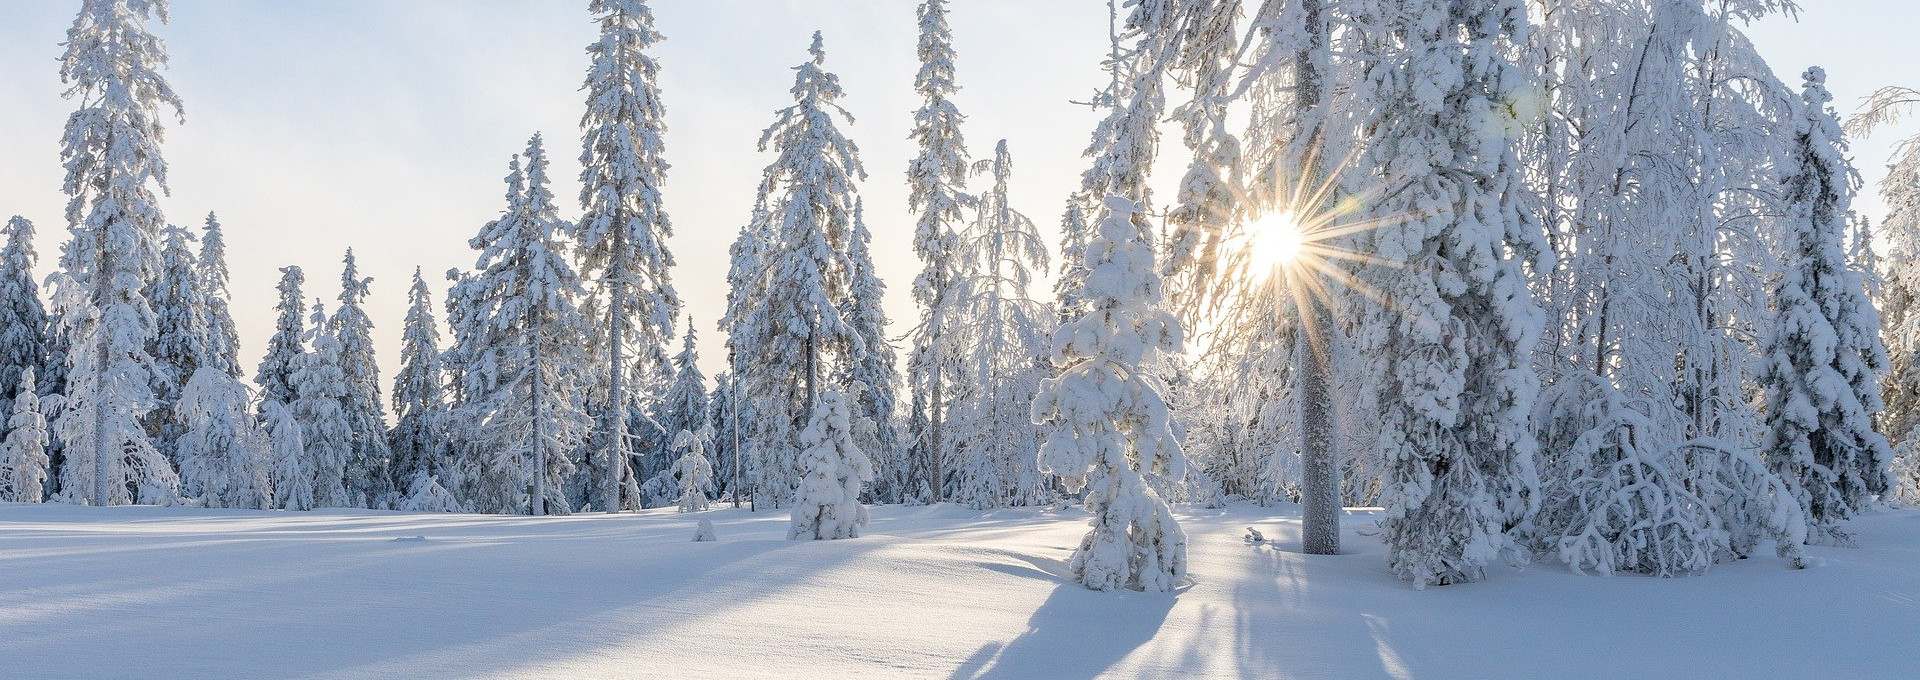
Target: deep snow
<point>931,592</point>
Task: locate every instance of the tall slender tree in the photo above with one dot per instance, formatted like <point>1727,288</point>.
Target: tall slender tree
<point>937,179</point>
<point>1005,333</point>
<point>684,406</point>
<point>181,342</point>
<point>622,237</point>
<point>111,149</point>
<point>1824,356</point>
<point>23,317</point>
<point>789,321</point>
<point>284,347</point>
<point>521,338</point>
<point>868,375</point>
<point>369,456</point>
<point>224,339</point>
<point>419,438</point>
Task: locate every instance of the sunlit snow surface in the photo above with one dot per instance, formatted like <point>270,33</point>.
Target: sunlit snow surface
<point>929,593</point>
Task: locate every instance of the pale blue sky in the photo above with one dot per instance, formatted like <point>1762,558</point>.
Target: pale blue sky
<point>386,125</point>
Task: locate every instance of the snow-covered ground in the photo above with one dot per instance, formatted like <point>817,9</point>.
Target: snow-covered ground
<point>931,593</point>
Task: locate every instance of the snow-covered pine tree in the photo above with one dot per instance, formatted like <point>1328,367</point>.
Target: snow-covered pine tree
<point>693,469</point>
<point>275,374</point>
<point>868,376</point>
<point>684,406</point>
<point>937,179</point>
<point>111,149</point>
<point>23,453</point>
<point>1125,142</point>
<point>225,460</point>
<point>1110,426</point>
<point>224,341</point>
<point>23,317</point>
<point>520,341</point>
<point>324,430</point>
<point>833,468</point>
<point>181,341</point>
<point>744,271</point>
<point>419,438</point>
<point>369,456</point>
<point>727,460</point>
<point>1004,332</point>
<point>622,236</point>
<point>292,480</point>
<point>786,324</point>
<point>1824,356</point>
<point>1455,337</point>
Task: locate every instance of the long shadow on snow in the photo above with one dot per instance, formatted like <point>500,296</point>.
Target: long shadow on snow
<point>1076,633</point>
<point>535,645</point>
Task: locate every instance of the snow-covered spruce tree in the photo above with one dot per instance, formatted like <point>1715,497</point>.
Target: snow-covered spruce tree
<point>868,375</point>
<point>23,317</point>
<point>111,149</point>
<point>292,478</point>
<point>832,468</point>
<point>23,452</point>
<point>1455,337</point>
<point>1110,425</point>
<point>180,340</point>
<point>225,459</point>
<point>1004,332</point>
<point>784,317</point>
<point>275,374</point>
<point>622,236</point>
<point>684,406</point>
<point>223,340</point>
<point>693,468</point>
<point>524,371</point>
<point>744,270</point>
<point>937,179</point>
<point>727,461</point>
<point>1125,142</point>
<point>1824,355</point>
<point>368,457</point>
<point>324,429</point>
<point>419,438</point>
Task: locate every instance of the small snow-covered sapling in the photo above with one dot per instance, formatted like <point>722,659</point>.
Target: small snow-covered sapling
<point>703,532</point>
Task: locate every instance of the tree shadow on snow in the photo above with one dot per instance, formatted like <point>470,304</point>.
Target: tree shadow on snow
<point>1076,633</point>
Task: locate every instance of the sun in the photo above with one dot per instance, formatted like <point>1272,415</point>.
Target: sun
<point>1275,243</point>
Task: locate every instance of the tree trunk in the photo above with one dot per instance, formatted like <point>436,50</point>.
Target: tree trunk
<point>1320,455</point>
<point>1320,459</point>
<point>539,504</point>
<point>616,380</point>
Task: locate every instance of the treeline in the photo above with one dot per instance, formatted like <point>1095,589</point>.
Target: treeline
<point>1573,280</point>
